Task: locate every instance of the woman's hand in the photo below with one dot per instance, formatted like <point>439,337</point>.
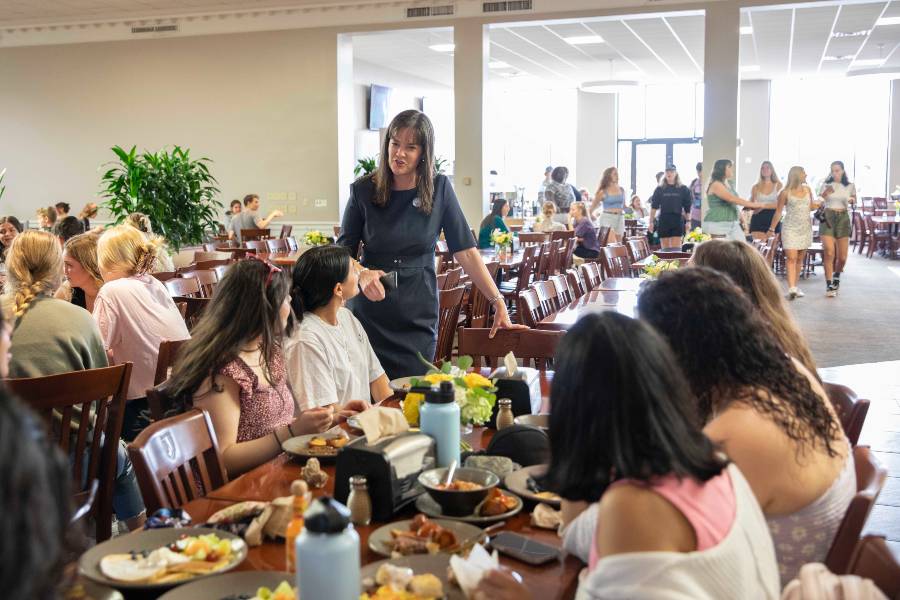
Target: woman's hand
<point>502,320</point>
<point>313,420</point>
<point>353,407</point>
<point>500,585</point>
<point>370,285</point>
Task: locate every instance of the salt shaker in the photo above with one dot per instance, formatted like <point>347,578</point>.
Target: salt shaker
<point>359,502</point>
<point>504,414</point>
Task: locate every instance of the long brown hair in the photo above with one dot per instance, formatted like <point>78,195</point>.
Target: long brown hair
<point>83,248</point>
<point>773,178</point>
<point>423,132</point>
<point>748,269</point>
<point>245,307</point>
<point>606,179</point>
<point>34,269</point>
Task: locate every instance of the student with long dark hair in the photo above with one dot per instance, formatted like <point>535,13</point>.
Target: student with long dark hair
<point>768,412</point>
<point>839,194</point>
<point>723,219</point>
<point>328,357</point>
<point>668,510</point>
<point>233,366</point>
<point>494,220</point>
<point>10,227</point>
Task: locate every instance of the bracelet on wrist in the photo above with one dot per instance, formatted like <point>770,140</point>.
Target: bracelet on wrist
<point>277,439</point>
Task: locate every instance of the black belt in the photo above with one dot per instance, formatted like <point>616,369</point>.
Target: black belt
<point>386,261</point>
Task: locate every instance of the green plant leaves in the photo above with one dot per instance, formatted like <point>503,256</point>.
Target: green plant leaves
<point>178,193</point>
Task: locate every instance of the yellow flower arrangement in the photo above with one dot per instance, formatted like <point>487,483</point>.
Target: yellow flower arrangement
<point>501,238</point>
<point>696,236</point>
<point>316,238</point>
<point>656,266</point>
<point>474,392</point>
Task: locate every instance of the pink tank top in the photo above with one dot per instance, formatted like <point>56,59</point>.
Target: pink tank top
<point>709,507</point>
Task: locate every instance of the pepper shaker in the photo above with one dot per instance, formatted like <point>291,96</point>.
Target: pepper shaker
<point>359,502</point>
<point>504,414</point>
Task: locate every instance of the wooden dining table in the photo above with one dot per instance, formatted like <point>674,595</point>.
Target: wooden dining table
<point>509,261</point>
<point>597,300</point>
<point>621,284</point>
<point>555,580</point>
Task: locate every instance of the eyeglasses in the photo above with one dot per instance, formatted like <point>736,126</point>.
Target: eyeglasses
<point>272,268</point>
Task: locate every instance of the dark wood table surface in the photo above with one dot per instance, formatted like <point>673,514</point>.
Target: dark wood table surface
<point>621,284</point>
<point>511,260</point>
<point>557,580</point>
<point>621,301</point>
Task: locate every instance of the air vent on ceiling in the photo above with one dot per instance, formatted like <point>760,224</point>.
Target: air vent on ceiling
<point>509,5</point>
<point>154,29</point>
<point>430,11</point>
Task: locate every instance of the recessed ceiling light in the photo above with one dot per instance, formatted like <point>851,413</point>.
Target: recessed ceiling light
<point>442,47</point>
<point>498,64</point>
<point>850,34</point>
<point>750,68</point>
<point>746,30</point>
<point>885,21</point>
<point>868,62</point>
<point>580,40</point>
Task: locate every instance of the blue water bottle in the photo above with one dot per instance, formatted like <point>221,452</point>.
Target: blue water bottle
<point>328,553</point>
<point>439,418</point>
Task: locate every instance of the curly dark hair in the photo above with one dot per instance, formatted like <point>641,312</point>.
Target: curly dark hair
<point>729,354</point>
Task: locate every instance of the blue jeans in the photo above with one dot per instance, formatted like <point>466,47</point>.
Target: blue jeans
<point>127,500</point>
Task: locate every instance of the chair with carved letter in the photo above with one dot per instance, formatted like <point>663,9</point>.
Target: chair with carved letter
<point>530,345</point>
<point>450,303</point>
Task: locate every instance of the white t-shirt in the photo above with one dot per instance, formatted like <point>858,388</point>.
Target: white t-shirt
<point>840,198</point>
<point>328,364</point>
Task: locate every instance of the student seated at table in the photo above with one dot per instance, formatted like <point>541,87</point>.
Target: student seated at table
<point>233,367</point>
<point>493,221</point>
<point>141,222</point>
<point>83,279</point>
<point>671,517</point>
<point>768,412</point>
<point>327,353</point>
<point>547,223</point>
<point>748,269</point>
<point>587,245</point>
<point>135,313</point>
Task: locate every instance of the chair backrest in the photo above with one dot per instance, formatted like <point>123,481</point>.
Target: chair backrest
<point>528,238</point>
<point>209,247</point>
<point>442,281</point>
<point>206,265</point>
<point>285,231</point>
<point>575,284</point>
<point>566,234</point>
<point>771,249</point>
<point>528,308</point>
<point>186,287</point>
<point>337,231</point>
<point>879,202</point>
<point>450,303</point>
<point>177,459</point>
<point>203,256</point>
<point>194,307</point>
<point>531,345</point>
<point>279,245</point>
<point>547,296</point>
<point>453,276</point>
<point>873,559</point>
<point>603,234</point>
<point>254,234</point>
<point>97,392</point>
<point>616,262</point>
<point>563,293</point>
<point>292,244</point>
<point>527,267</point>
<point>568,252</point>
<point>555,258</point>
<point>480,311</point>
<point>638,248</point>
<point>870,478</point>
<point>207,278</point>
<point>258,245</point>
<point>851,409</point>
<point>221,270</point>
<point>165,275</point>
<point>168,351</point>
<point>589,276</point>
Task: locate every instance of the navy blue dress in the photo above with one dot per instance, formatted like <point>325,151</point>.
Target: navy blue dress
<point>400,237</point>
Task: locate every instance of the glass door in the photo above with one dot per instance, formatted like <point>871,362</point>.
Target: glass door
<point>650,156</point>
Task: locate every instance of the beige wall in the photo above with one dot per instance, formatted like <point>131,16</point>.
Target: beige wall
<point>263,106</point>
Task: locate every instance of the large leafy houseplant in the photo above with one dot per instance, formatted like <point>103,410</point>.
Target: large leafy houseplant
<point>365,165</point>
<point>177,193</point>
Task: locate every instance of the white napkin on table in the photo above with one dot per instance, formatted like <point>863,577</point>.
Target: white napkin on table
<point>469,571</point>
<point>380,421</point>
<point>509,361</point>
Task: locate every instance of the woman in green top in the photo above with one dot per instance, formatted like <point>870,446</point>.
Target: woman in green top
<point>493,221</point>
<point>723,219</point>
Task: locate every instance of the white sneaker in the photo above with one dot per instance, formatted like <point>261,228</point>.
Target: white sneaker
<point>830,293</point>
<point>799,292</point>
<point>792,293</point>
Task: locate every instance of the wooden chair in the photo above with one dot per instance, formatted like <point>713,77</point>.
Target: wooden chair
<point>292,244</point>
<point>453,276</point>
<point>603,235</point>
<point>638,249</point>
<point>616,262</point>
<point>185,287</point>
<point>874,560</point>
<point>275,246</point>
<point>860,232</point>
<point>205,256</point>
<point>568,253</point>
<point>879,203</point>
<point>567,234</point>
<point>254,234</point>
<point>100,392</point>
<point>576,287</point>
<point>206,265</point>
<point>771,249</point>
<point>850,409</point>
<point>531,345</point>
<point>257,245</point>
<point>590,276</point>
<point>879,237</point>
<point>870,478</point>
<point>168,351</point>
<point>209,247</point>
<point>533,238</point>
<point>441,281</point>
<point>285,231</point>
<point>221,270</point>
<point>165,275</point>
<point>546,293</point>
<point>529,308</point>
<point>207,278</point>
<point>563,293</point>
<point>480,310</point>
<point>193,310</point>
<point>450,302</point>
<point>513,287</point>
<point>177,460</point>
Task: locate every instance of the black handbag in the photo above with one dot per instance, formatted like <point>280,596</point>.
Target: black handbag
<point>819,215</point>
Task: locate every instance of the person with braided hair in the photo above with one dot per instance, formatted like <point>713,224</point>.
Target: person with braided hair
<point>135,313</point>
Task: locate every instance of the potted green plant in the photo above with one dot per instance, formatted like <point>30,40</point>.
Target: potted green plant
<point>364,166</point>
<point>440,164</point>
<point>176,191</point>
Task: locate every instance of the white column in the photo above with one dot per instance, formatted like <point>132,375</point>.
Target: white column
<point>595,138</point>
<point>469,77</point>
<point>345,133</point>
<point>894,138</point>
<point>754,133</point>
<point>721,79</point>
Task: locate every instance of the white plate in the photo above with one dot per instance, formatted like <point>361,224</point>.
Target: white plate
<point>517,482</point>
<point>299,446</point>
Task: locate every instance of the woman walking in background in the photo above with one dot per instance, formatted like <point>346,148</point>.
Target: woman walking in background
<point>796,234</point>
<point>673,201</point>
<point>560,193</point>
<point>723,218</point>
<point>765,192</point>
<point>838,194</point>
<point>493,221</point>
<point>611,195</point>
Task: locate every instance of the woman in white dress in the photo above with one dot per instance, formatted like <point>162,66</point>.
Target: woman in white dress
<point>796,231</point>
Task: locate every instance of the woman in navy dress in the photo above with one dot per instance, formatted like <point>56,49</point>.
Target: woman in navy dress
<point>397,213</point>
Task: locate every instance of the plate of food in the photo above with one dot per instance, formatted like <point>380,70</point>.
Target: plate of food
<point>418,577</point>
<point>243,585</point>
<point>524,482</point>
<point>422,535</point>
<point>162,558</point>
<point>321,445</point>
<point>497,506</point>
<point>402,384</point>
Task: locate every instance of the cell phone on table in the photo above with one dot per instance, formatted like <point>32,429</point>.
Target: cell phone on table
<point>389,281</point>
<point>525,549</point>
